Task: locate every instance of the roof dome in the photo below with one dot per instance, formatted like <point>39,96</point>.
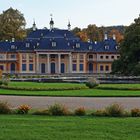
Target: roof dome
<point>51,22</point>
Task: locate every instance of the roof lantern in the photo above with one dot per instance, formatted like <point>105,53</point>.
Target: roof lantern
<point>34,26</point>
<point>51,23</point>
<point>69,26</point>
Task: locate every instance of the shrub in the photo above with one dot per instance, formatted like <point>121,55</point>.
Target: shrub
<point>80,111</point>
<point>127,114</point>
<point>0,82</point>
<point>23,109</point>
<point>115,110</point>
<point>41,112</point>
<point>5,81</point>
<point>92,83</point>
<point>135,112</point>
<point>58,110</point>
<point>4,108</point>
<point>100,113</point>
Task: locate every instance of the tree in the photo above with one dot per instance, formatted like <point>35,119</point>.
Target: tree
<point>12,23</point>
<point>93,33</point>
<point>76,30</point>
<point>119,36</point>
<point>83,36</point>
<point>130,51</point>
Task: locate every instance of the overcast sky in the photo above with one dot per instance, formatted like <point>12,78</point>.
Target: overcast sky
<point>80,12</point>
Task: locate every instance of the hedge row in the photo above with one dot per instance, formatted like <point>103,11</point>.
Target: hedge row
<point>41,89</point>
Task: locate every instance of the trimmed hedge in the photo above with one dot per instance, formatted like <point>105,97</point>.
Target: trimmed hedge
<point>41,89</point>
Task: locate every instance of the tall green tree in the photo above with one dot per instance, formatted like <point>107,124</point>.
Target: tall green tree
<point>94,33</point>
<point>76,30</point>
<point>12,25</point>
<point>129,62</point>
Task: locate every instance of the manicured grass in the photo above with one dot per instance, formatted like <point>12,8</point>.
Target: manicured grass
<point>67,85</point>
<point>14,127</point>
<point>45,85</point>
<point>73,93</point>
<point>120,86</point>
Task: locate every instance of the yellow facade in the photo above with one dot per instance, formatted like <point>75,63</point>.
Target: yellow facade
<point>61,62</point>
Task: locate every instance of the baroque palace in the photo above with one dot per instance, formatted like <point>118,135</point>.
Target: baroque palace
<point>56,51</point>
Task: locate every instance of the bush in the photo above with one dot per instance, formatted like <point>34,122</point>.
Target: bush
<point>58,110</point>
<point>23,109</point>
<point>92,83</point>
<point>114,110</point>
<point>4,108</point>
<point>135,112</point>
<point>100,113</point>
<point>0,82</point>
<point>41,112</point>
<point>5,81</point>
<point>80,111</point>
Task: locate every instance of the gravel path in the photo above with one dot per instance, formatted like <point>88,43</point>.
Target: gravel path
<point>71,102</point>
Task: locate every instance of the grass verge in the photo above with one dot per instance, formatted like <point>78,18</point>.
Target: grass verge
<point>16,127</point>
<point>104,90</point>
<point>74,93</point>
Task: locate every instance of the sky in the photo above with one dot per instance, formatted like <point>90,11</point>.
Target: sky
<point>81,13</point>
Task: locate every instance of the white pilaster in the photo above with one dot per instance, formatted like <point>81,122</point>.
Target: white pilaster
<point>70,63</point>
<point>37,63</point>
<point>59,63</point>
<point>48,63</point>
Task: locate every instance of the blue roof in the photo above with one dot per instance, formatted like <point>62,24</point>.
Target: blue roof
<point>43,39</point>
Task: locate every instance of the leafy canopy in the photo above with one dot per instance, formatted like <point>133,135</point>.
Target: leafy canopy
<point>12,23</point>
<point>129,62</point>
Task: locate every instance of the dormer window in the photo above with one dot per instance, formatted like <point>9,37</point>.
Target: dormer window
<point>53,44</point>
<point>90,47</point>
<point>37,44</point>
<point>13,47</point>
<point>77,45</point>
<point>68,44</point>
<point>106,47</point>
<point>27,45</point>
<point>116,47</point>
<point>65,35</point>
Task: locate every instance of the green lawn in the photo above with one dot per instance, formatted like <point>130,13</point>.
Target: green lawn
<point>45,85</point>
<point>68,85</point>
<point>120,86</point>
<point>29,127</point>
<point>73,93</point>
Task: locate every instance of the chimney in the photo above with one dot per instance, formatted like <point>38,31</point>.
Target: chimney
<point>114,37</point>
<point>105,36</point>
<point>13,39</point>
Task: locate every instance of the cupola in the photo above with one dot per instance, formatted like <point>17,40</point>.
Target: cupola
<point>51,23</point>
<point>69,26</point>
<point>34,26</point>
